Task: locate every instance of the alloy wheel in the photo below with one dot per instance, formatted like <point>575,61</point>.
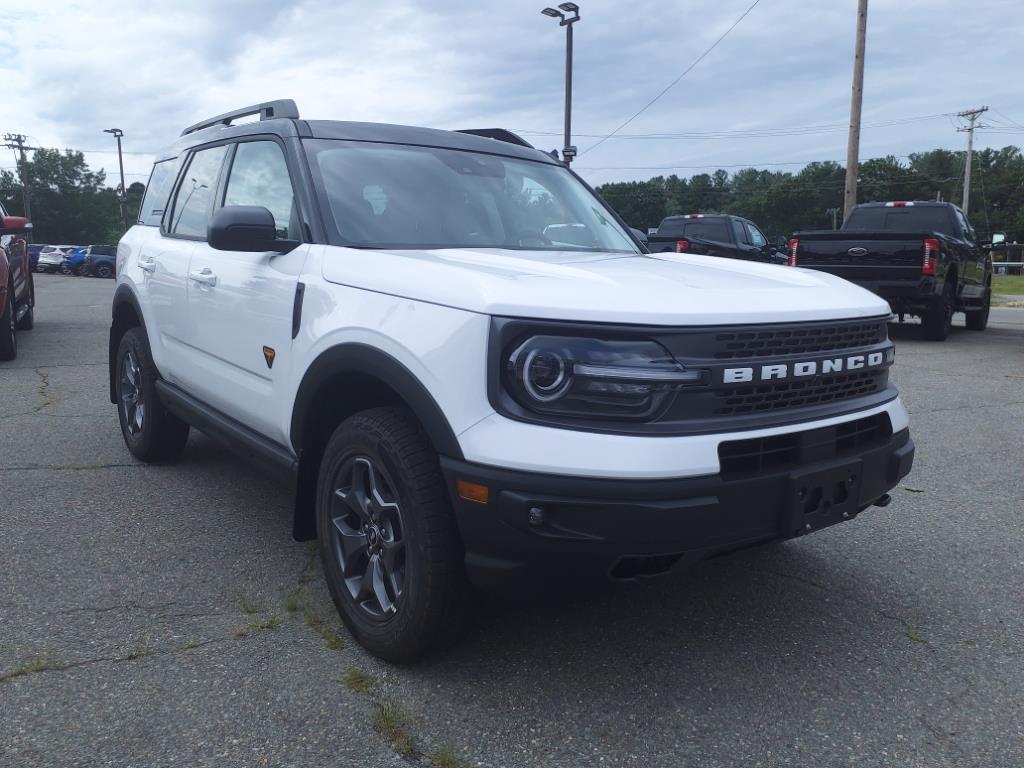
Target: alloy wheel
<point>132,402</point>
<point>368,537</point>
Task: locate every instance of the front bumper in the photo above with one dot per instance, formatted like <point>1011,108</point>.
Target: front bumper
<point>538,530</point>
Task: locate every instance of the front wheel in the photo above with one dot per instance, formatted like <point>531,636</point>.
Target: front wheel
<point>388,540</point>
<point>977,319</point>
<point>103,270</point>
<point>938,320</point>
<point>151,432</point>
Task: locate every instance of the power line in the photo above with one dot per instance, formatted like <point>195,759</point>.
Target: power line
<point>671,85</point>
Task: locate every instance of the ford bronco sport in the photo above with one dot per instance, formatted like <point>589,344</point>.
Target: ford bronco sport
<point>461,401</point>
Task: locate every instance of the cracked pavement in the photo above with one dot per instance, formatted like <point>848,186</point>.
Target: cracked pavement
<point>893,640</point>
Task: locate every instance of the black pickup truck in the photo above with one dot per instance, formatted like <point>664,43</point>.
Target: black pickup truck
<point>923,258</point>
<point>714,234</point>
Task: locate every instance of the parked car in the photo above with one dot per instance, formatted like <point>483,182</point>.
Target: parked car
<point>100,260</point>
<point>924,258</point>
<point>51,258</point>
<point>74,261</point>
<point>33,254</point>
<point>713,234</point>
<point>373,313</point>
<point>17,289</point>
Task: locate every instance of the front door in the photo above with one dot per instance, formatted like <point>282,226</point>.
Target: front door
<point>242,302</point>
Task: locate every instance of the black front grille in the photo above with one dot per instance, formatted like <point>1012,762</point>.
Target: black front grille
<point>784,452</point>
<point>773,396</point>
<point>799,340</point>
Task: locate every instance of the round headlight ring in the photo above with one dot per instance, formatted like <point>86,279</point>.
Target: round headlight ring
<point>554,374</point>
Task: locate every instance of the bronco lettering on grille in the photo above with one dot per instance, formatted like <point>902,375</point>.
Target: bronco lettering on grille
<point>781,371</point>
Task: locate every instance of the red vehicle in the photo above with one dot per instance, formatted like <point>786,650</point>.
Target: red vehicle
<point>17,289</point>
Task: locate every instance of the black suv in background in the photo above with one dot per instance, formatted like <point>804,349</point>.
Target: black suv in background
<point>924,258</point>
<point>714,234</point>
<point>100,261</point>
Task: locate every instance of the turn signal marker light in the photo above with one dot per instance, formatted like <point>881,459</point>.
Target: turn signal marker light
<point>475,492</point>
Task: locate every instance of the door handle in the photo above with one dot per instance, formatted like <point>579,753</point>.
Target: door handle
<point>147,265</point>
<point>203,276</point>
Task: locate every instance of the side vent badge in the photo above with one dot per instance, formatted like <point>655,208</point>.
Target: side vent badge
<point>268,355</point>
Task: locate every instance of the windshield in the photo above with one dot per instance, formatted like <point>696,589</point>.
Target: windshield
<point>398,196</point>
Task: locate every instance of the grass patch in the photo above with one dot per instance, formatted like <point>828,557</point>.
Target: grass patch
<point>908,489</point>
<point>445,758</point>
<point>912,634</point>
<point>295,600</point>
<point>272,623</point>
<point>1008,284</point>
<point>141,651</point>
<point>328,633</point>
<point>389,722</point>
<point>41,663</point>
<point>189,646</point>
<point>248,607</point>
<point>358,681</point>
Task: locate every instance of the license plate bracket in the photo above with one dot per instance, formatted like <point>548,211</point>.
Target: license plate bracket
<point>822,497</point>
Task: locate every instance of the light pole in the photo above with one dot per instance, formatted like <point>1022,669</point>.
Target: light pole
<point>568,151</point>
<point>122,195</point>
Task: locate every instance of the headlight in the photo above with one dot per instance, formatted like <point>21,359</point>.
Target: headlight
<point>583,377</point>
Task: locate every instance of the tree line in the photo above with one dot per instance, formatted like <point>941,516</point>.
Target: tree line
<point>781,202</point>
<point>72,204</point>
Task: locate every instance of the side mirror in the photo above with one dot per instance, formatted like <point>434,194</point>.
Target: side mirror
<point>14,225</point>
<point>998,238</point>
<point>249,228</point>
<point>639,235</point>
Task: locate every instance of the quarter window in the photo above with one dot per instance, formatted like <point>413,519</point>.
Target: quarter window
<point>737,230</point>
<point>161,180</point>
<point>259,176</point>
<point>194,204</point>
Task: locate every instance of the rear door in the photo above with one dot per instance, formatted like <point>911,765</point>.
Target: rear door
<point>242,303</point>
<point>973,257</point>
<point>164,260</point>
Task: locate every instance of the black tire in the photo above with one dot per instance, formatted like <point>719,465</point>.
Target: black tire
<point>103,270</point>
<point>28,320</point>
<point>8,329</point>
<point>79,271</point>
<point>938,320</point>
<point>427,599</point>
<point>977,319</point>
<point>40,268</point>
<point>150,431</point>
<point>65,269</point>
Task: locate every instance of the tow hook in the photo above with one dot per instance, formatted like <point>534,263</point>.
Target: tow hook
<point>883,501</point>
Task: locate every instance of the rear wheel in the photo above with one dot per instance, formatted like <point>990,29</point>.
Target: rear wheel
<point>103,270</point>
<point>8,331</point>
<point>977,319</point>
<point>391,552</point>
<point>938,320</point>
<point>151,432</point>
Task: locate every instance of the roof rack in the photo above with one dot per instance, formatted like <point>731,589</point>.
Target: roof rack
<point>268,110</point>
<point>500,134</point>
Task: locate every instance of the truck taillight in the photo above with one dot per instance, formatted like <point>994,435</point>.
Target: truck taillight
<point>791,247</point>
<point>682,246</point>
<point>931,252</point>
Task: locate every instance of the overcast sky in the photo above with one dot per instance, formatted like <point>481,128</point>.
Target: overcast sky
<point>71,68</point>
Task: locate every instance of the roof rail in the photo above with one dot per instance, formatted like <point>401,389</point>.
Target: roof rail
<point>500,134</point>
<point>268,110</point>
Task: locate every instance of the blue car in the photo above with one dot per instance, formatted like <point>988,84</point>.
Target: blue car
<point>33,254</point>
<point>74,261</point>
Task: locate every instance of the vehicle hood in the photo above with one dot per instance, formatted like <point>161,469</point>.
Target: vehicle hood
<point>656,289</point>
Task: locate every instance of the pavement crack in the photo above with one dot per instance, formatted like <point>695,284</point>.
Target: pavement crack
<point>68,467</point>
<point>44,390</point>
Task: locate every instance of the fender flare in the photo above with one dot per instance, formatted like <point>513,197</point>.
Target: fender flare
<point>361,358</point>
<point>123,295</point>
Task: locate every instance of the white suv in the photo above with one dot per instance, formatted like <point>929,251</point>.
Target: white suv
<point>462,401</point>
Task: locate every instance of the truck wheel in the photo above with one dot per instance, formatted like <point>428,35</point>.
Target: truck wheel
<point>938,320</point>
<point>150,431</point>
<point>388,540</point>
<point>103,270</point>
<point>28,320</point>
<point>8,331</point>
<point>977,319</point>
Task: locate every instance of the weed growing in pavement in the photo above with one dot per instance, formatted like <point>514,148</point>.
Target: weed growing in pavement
<point>358,681</point>
<point>272,623</point>
<point>445,758</point>
<point>912,634</point>
<point>295,600</point>
<point>328,633</point>
<point>40,663</point>
<point>389,722</point>
<point>249,607</point>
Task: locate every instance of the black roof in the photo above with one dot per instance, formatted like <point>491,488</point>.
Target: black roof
<point>291,126</point>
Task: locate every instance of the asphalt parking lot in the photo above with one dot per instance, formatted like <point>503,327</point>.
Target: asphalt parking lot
<point>162,615</point>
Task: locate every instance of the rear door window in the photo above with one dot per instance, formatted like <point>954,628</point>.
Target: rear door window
<point>756,236</point>
<point>737,230</point>
<point>193,205</point>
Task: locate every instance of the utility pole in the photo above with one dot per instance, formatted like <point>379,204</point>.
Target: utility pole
<point>16,141</point>
<point>971,115</point>
<point>834,213</point>
<point>122,194</point>
<point>568,150</point>
<point>853,142</point>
